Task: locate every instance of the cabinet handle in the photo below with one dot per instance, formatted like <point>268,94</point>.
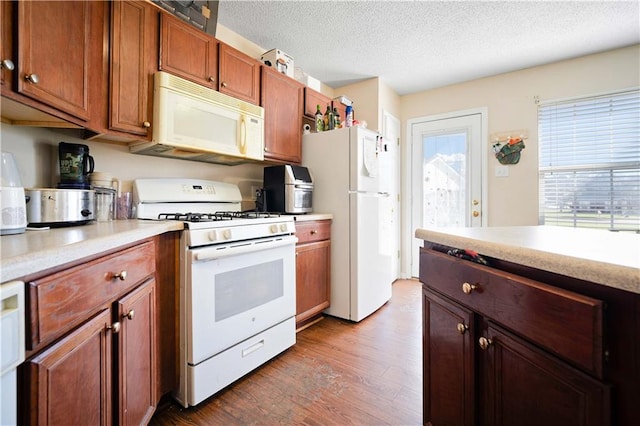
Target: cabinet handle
<point>115,327</point>
<point>33,78</point>
<point>223,84</point>
<point>146,124</point>
<point>122,275</point>
<point>129,315</point>
<point>314,232</point>
<point>7,64</point>
<point>468,288</point>
<point>212,79</point>
<point>462,328</point>
<point>484,343</point>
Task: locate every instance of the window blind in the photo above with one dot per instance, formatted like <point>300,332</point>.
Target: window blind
<point>589,162</point>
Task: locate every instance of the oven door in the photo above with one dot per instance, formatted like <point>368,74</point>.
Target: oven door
<point>236,291</point>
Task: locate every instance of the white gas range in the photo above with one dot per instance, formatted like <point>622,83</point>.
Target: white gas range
<point>237,281</point>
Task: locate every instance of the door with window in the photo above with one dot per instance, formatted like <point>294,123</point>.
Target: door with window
<point>446,173</point>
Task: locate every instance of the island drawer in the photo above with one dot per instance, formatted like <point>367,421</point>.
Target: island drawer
<point>59,302</point>
<point>565,323</point>
<point>313,230</point>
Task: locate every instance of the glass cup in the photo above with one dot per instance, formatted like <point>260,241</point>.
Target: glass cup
<point>124,208</point>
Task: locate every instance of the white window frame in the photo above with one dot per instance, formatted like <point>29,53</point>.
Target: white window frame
<point>589,161</point>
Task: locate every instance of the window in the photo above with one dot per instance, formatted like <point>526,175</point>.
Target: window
<point>589,169</point>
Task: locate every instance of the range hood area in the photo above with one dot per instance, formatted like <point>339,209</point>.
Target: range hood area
<point>199,13</point>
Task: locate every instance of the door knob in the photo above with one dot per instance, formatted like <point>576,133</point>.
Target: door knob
<point>33,78</point>
<point>115,327</point>
<point>122,275</point>
<point>468,288</point>
<point>462,328</point>
<point>7,64</point>
<point>476,213</point>
<point>484,343</point>
<point>129,315</point>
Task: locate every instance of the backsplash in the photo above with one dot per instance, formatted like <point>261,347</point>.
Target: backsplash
<point>36,152</point>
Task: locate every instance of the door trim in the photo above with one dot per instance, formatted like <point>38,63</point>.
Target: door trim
<point>407,231</point>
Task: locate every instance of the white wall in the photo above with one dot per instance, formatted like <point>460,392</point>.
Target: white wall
<point>36,152</point>
<point>511,102</point>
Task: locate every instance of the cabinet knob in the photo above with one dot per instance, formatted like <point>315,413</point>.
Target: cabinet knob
<point>33,78</point>
<point>122,275</point>
<point>468,288</point>
<point>146,124</point>
<point>129,315</point>
<point>115,327</point>
<point>212,79</point>
<point>223,84</point>
<point>484,343</point>
<point>462,328</point>
<point>7,64</point>
<point>476,213</point>
<point>314,232</point>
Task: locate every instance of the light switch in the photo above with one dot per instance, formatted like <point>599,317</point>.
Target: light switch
<point>502,171</point>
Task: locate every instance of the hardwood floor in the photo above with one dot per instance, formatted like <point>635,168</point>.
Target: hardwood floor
<point>338,373</point>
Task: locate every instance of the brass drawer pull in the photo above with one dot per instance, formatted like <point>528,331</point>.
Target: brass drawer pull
<point>314,232</point>
<point>484,343</point>
<point>122,275</point>
<point>115,327</point>
<point>468,288</point>
<point>462,328</point>
<point>129,315</point>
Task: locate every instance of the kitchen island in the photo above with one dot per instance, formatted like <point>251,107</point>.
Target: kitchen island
<point>542,328</point>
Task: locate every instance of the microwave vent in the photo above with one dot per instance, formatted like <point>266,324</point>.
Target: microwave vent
<point>193,89</point>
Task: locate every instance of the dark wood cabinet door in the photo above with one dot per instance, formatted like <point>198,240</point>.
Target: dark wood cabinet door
<point>311,101</point>
<point>448,362</point>
<point>134,60</point>
<point>239,74</point>
<point>136,349</point>
<point>60,51</point>
<point>313,279</point>
<point>188,52</point>
<point>281,97</point>
<point>70,383</point>
<point>7,58</point>
<point>525,386</point>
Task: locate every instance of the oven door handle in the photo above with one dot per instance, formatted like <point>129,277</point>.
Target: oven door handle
<point>212,253</point>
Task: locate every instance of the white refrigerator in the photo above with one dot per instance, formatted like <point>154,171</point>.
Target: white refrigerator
<point>350,182</point>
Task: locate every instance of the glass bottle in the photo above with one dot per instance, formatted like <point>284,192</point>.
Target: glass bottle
<point>319,119</point>
<point>328,119</point>
<point>336,119</point>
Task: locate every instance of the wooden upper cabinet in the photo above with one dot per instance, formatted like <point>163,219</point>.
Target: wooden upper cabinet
<point>133,62</point>
<point>239,74</point>
<point>7,58</point>
<point>60,51</point>
<point>188,52</point>
<point>281,98</point>
<point>312,99</point>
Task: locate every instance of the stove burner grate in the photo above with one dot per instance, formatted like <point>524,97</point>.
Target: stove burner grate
<point>212,217</point>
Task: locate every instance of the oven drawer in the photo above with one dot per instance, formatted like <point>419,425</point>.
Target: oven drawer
<point>313,230</point>
<point>60,301</point>
<point>217,372</point>
<point>560,316</point>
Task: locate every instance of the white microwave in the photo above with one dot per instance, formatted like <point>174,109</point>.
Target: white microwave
<point>193,122</point>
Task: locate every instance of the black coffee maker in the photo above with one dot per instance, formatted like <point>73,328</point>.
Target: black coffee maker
<point>75,166</point>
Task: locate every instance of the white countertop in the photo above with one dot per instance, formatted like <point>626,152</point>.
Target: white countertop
<point>35,251</point>
<point>603,257</point>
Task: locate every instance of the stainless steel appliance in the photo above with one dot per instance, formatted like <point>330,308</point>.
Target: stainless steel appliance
<point>237,281</point>
<point>289,189</point>
<point>59,207</point>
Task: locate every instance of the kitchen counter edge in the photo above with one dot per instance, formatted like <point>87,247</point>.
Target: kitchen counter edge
<point>35,251</point>
<point>607,258</point>
<point>312,216</point>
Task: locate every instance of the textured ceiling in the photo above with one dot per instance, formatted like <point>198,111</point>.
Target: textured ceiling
<point>418,45</point>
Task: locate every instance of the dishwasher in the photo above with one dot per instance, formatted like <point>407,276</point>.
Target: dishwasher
<point>12,349</point>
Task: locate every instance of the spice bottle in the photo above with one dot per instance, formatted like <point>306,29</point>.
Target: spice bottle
<point>328,119</point>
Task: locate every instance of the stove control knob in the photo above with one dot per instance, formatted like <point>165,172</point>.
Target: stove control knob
<point>283,227</point>
<point>226,234</point>
<point>273,228</point>
<point>212,236</point>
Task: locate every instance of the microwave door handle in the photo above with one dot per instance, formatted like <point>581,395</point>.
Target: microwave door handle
<point>243,135</point>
